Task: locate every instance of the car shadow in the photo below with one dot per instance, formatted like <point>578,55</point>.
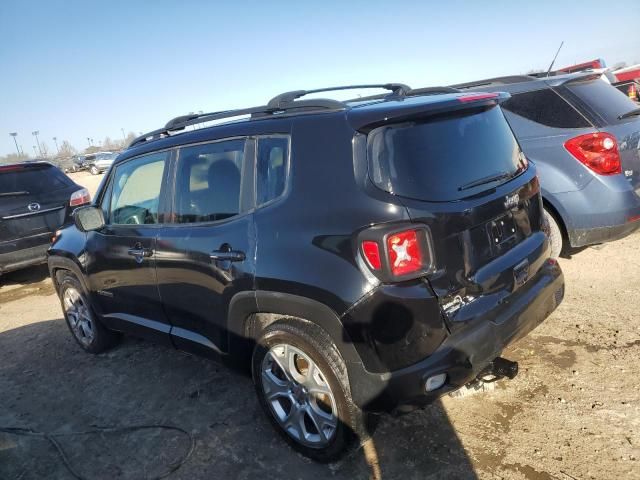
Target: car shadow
<point>24,283</point>
<point>48,384</point>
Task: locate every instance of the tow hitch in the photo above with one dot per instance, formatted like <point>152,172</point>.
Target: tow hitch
<point>497,369</point>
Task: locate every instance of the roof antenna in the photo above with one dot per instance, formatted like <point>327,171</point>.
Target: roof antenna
<point>554,58</point>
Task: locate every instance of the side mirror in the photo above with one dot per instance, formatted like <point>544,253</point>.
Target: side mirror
<point>88,219</point>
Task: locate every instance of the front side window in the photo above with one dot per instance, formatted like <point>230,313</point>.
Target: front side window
<point>209,181</point>
<point>135,190</point>
<point>271,168</point>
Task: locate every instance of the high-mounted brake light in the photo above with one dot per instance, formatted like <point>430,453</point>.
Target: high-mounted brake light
<point>471,97</point>
<point>80,197</point>
<point>11,168</point>
<point>598,151</point>
<point>404,251</point>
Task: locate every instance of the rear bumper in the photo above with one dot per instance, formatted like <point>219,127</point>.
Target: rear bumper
<point>598,213</point>
<point>464,353</point>
<point>582,237</point>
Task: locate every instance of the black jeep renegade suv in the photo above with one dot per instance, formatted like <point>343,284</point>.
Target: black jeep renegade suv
<point>361,256</point>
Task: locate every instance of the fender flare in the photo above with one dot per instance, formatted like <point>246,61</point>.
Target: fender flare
<point>57,262</point>
<point>244,304</point>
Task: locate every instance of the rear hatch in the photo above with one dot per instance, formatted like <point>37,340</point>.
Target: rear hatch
<point>613,112</point>
<point>461,172</point>
<point>34,200</point>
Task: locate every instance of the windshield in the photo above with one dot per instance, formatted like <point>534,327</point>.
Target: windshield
<point>32,180</point>
<point>445,158</point>
<point>606,100</point>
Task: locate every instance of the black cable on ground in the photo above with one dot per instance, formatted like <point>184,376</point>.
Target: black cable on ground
<point>51,438</point>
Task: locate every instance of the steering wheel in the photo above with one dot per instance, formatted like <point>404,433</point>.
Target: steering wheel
<point>133,220</point>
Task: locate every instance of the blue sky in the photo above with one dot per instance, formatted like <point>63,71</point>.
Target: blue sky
<point>76,69</point>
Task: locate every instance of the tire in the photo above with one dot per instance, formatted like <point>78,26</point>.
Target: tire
<point>555,235</point>
<point>94,170</point>
<point>81,319</point>
<point>305,341</point>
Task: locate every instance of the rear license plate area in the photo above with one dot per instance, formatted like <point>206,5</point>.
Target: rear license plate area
<point>502,233</point>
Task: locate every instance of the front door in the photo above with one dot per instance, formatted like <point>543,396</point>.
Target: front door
<point>121,255</point>
<point>206,253</point>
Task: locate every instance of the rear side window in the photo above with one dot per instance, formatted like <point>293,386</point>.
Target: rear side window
<point>33,180</point>
<point>209,181</point>
<point>605,100</point>
<point>446,158</point>
<point>545,107</point>
<point>273,153</point>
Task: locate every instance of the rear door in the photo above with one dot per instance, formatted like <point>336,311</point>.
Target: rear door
<point>613,112</point>
<point>205,255</point>
<point>34,202</point>
<point>463,175</point>
<point>121,256</point>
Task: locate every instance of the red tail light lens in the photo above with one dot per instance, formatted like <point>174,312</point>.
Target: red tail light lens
<point>633,92</point>
<point>371,252</point>
<point>80,197</point>
<point>405,255</point>
<point>598,151</point>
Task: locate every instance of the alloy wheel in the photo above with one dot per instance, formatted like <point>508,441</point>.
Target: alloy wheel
<point>299,396</point>
<point>79,316</point>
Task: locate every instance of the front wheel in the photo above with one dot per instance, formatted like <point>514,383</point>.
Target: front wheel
<point>94,170</point>
<point>83,323</point>
<point>302,385</point>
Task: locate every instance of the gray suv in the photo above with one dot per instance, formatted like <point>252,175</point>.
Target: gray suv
<point>584,137</point>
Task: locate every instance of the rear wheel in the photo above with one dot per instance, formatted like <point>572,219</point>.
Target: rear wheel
<point>302,385</point>
<point>82,321</point>
<point>555,234</point>
<point>94,170</point>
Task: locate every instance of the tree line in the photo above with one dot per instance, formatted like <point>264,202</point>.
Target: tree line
<point>66,150</point>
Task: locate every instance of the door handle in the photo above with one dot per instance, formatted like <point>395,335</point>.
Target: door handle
<point>228,255</point>
<point>139,252</point>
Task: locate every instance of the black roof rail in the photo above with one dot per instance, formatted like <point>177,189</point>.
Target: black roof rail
<point>280,103</point>
<point>414,92</point>
<point>507,80</point>
<point>287,98</point>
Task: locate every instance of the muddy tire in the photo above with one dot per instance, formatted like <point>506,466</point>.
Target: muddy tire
<point>555,235</point>
<point>302,385</point>
<point>83,323</point>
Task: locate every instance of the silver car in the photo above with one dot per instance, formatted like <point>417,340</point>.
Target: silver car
<point>102,162</point>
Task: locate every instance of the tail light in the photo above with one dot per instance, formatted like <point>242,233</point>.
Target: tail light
<point>633,92</point>
<point>598,151</point>
<point>397,254</point>
<point>80,197</point>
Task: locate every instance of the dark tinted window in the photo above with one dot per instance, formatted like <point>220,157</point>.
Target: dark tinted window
<point>208,182</point>
<point>545,107</point>
<point>271,168</point>
<point>606,100</point>
<point>34,179</point>
<point>136,189</point>
<point>440,159</point>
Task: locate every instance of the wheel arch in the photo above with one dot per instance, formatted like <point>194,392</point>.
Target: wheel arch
<point>251,312</point>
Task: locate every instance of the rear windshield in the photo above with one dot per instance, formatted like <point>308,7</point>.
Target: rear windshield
<point>32,180</point>
<point>606,100</point>
<point>445,158</point>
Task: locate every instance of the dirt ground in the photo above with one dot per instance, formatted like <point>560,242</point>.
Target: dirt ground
<point>573,412</point>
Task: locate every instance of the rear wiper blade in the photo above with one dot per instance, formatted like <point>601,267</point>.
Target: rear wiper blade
<point>11,194</point>
<point>632,113</point>
<point>482,181</point>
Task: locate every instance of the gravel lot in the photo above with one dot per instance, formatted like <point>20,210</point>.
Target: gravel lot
<point>573,412</point>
